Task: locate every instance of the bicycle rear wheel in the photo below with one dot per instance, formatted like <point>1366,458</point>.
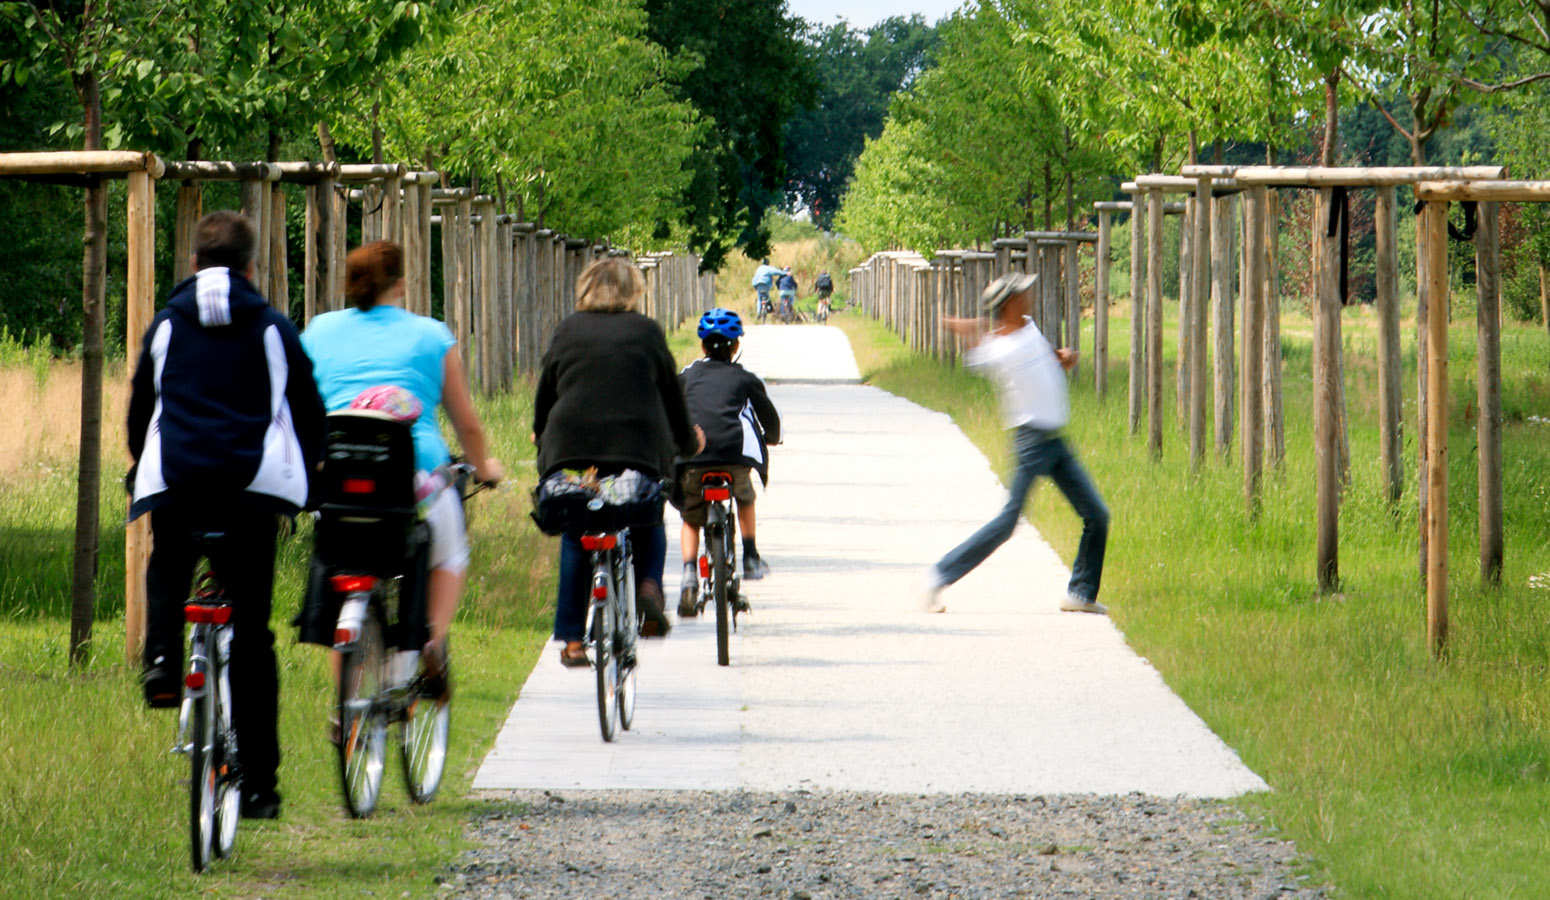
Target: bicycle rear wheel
<point>606,663</point>
<point>720,578</point>
<point>362,720</point>
<point>228,787</point>
<point>426,722</point>
<point>202,779</point>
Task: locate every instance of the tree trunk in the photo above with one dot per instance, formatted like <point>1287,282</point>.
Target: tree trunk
<point>1049,198</point>
<point>1331,118</point>
<point>326,142</point>
<point>1544,295</point>
<point>83,594</point>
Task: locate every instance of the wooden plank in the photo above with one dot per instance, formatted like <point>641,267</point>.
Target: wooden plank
<point>1326,452</point>
<point>255,205</point>
<point>1154,322</point>
<point>1185,298</point>
<point>140,293</point>
<point>213,170</point>
<point>1390,449</point>
<point>1435,271</point>
<point>1223,232</point>
<point>366,172</point>
<point>1494,191</point>
<point>1423,382</point>
<point>80,162</point>
<point>1071,276</point>
<point>1371,176</point>
<point>1137,309</point>
<point>1489,389</point>
<point>1101,307</point>
<point>416,256</point>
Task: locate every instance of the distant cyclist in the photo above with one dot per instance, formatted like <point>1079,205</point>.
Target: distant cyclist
<point>764,279</point>
<point>225,427</point>
<point>824,286</point>
<point>787,285</point>
<point>731,405</point>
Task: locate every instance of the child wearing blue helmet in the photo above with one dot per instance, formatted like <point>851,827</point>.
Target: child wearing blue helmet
<point>740,423</point>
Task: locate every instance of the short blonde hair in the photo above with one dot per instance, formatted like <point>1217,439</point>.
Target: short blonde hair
<point>611,284</point>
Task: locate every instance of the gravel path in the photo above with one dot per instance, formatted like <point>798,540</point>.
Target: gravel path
<point>814,845</point>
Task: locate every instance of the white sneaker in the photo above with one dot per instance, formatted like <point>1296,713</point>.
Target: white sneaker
<point>930,592</point>
<point>1073,603</point>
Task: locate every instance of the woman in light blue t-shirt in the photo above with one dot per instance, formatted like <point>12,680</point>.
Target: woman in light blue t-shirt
<point>376,343</point>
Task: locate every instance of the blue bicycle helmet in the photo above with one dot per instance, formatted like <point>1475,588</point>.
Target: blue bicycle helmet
<point>722,322</point>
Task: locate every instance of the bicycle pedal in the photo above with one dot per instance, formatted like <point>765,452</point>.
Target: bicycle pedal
<point>183,749</point>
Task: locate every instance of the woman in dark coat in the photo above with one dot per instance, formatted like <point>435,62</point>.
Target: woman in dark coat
<point>609,398</point>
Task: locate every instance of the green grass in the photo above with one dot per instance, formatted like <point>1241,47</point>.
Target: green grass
<point>92,804</point>
<point>1401,776</point>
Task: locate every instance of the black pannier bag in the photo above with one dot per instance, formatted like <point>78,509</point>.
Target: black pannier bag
<point>568,500</point>
<point>368,524</point>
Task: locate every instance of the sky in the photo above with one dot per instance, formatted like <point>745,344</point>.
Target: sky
<point>865,13</point>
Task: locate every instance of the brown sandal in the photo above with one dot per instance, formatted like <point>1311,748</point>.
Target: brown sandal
<point>574,658</point>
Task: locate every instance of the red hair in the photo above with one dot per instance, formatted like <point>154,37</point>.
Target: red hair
<point>371,271</point>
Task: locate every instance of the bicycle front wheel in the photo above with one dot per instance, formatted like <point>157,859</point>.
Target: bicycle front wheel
<point>202,779</point>
<point>606,663</point>
<point>630,619</point>
<point>362,719</point>
<point>426,723</point>
<point>720,580</point>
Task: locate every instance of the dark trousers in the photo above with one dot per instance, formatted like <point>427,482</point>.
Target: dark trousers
<point>649,546</point>
<point>1041,453</point>
<point>244,562</point>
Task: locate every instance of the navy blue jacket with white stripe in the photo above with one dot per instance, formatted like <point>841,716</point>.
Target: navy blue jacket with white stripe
<point>731,405</point>
<point>223,406</point>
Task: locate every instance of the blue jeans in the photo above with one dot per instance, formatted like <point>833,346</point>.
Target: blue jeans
<point>649,545</point>
<point>1038,453</point>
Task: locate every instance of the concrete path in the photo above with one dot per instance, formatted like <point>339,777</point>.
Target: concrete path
<point>838,679</point>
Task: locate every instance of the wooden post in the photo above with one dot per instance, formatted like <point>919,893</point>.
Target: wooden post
<point>1154,321</point>
<point>489,282</point>
<point>1140,203</point>
<point>1222,281</point>
<point>1489,389</point>
<point>449,266</point>
<point>141,302</point>
<point>1071,273</point>
<point>1186,299</point>
<point>1435,270</point>
<point>190,209</point>
<point>423,189</point>
<point>255,205</point>
<point>392,219</point>
<point>416,254</point>
<point>464,236</point>
<point>338,244</point>
<point>1390,399</point>
<point>279,266</point>
<point>1275,420</point>
<point>1326,346</point>
<point>1423,382</point>
<point>321,240</point>
<point>1101,308</point>
<point>1200,298</point>
<point>1050,280</point>
<point>505,305</point>
<point>1251,409</point>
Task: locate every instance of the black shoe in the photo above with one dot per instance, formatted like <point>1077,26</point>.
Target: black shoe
<point>162,686</point>
<point>754,568</point>
<point>261,804</point>
<point>437,664</point>
<point>648,603</point>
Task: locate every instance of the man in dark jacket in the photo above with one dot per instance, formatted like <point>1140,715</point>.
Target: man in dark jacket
<point>226,429</point>
<point>732,407</point>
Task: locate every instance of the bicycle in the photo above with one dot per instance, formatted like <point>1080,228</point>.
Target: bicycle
<point>718,559</point>
<point>205,731</point>
<point>762,308</point>
<point>823,309</point>
<point>369,540</point>
<point>615,628</point>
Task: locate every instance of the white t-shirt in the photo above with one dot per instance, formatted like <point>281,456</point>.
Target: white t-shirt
<point>1028,376</point>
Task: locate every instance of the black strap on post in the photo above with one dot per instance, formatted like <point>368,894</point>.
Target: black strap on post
<point>1340,223</point>
<point>1471,222</point>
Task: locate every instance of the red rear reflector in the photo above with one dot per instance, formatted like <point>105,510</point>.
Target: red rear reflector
<point>200,614</point>
<point>714,494</point>
<point>344,636</point>
<point>599,542</point>
<point>349,584</point>
<point>600,592</point>
<point>194,680</point>
<point>359,486</point>
<point>704,567</point>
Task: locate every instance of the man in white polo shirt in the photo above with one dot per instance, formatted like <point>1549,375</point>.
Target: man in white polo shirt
<point>1030,377</point>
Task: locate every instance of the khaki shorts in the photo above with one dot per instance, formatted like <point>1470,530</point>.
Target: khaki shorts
<point>694,506</point>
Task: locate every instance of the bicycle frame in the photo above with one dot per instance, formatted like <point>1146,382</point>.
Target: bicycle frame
<point>614,627</point>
